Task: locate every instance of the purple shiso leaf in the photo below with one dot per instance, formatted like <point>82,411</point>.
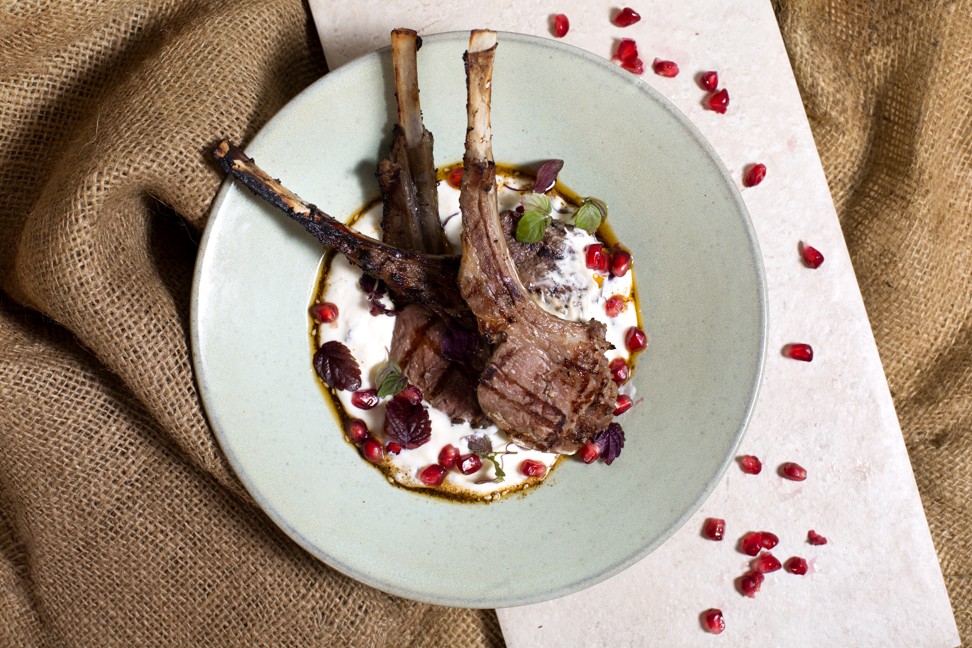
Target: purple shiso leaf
<point>547,175</point>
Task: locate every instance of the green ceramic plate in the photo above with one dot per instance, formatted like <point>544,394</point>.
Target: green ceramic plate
<point>702,296</point>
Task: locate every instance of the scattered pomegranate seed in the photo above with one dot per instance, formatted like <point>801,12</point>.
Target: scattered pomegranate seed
<point>620,263</point>
<point>769,540</point>
<point>709,80</point>
<point>718,101</point>
<point>751,464</point>
<point>432,475</point>
<point>324,313</point>
<point>532,468</point>
<point>469,463</point>
<point>665,68</point>
<point>455,177</point>
<point>754,175</point>
<point>635,339</point>
<point>766,563</point>
<point>561,25</point>
<point>796,565</point>
<point>799,351</point>
<point>412,394</point>
<point>597,258</point>
<point>714,528</point>
<point>815,538</point>
<point>357,430</point>
<point>372,451</point>
<point>750,583</point>
<point>811,256</point>
<point>634,65</point>
<point>392,448</point>
<point>448,455</point>
<point>619,370</point>
<point>793,471</point>
<point>623,404</point>
<point>751,543</point>
<point>714,621</point>
<point>627,50</point>
<point>626,17</point>
<point>365,399</point>
<point>589,452</point>
<point>614,305</point>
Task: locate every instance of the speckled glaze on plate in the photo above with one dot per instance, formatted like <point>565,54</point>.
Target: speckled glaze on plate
<point>702,296</point>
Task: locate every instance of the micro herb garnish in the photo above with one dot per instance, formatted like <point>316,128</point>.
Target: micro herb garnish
<point>589,215</point>
<point>547,175</point>
<point>483,448</point>
<point>536,216</point>
<point>391,380</point>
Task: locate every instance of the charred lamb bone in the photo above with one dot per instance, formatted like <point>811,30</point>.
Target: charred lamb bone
<point>547,383</point>
<point>414,277</point>
<point>408,180</point>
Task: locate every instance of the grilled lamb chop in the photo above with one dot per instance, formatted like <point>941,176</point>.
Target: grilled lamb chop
<point>413,277</point>
<point>410,221</point>
<point>547,383</point>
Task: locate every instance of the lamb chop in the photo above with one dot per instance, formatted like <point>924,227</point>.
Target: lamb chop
<point>413,277</point>
<point>410,221</point>
<point>547,383</point>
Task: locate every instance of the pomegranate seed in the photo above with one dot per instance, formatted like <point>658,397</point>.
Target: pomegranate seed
<point>324,313</point>
<point>815,538</point>
<point>357,430</point>
<point>709,80</point>
<point>634,65</point>
<point>469,463</point>
<point>626,17</point>
<point>754,175</point>
<point>714,621</point>
<point>614,305</point>
<point>793,471</point>
<point>589,452</point>
<point>619,370</point>
<point>432,475</point>
<point>392,448</point>
<point>811,256</point>
<point>751,464</point>
<point>596,257</point>
<point>412,394</point>
<point>751,543</point>
<point>665,68</point>
<point>627,50</point>
<point>718,101</point>
<point>561,25</point>
<point>750,583</point>
<point>448,456</point>
<point>714,528</point>
<point>372,451</point>
<point>620,263</point>
<point>532,468</point>
<point>635,339</point>
<point>766,563</point>
<point>796,565</point>
<point>365,399</point>
<point>769,540</point>
<point>455,177</point>
<point>799,351</point>
<point>623,404</point>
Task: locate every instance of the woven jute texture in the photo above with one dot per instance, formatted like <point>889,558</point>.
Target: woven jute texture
<point>121,523</point>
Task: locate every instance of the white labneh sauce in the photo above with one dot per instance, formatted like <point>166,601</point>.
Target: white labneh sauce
<point>369,338</point>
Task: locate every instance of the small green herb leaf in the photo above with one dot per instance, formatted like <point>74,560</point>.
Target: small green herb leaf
<point>590,214</point>
<point>391,380</point>
<point>537,202</point>
<point>531,227</point>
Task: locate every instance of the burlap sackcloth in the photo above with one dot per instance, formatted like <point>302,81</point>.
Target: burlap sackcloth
<point>120,521</point>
